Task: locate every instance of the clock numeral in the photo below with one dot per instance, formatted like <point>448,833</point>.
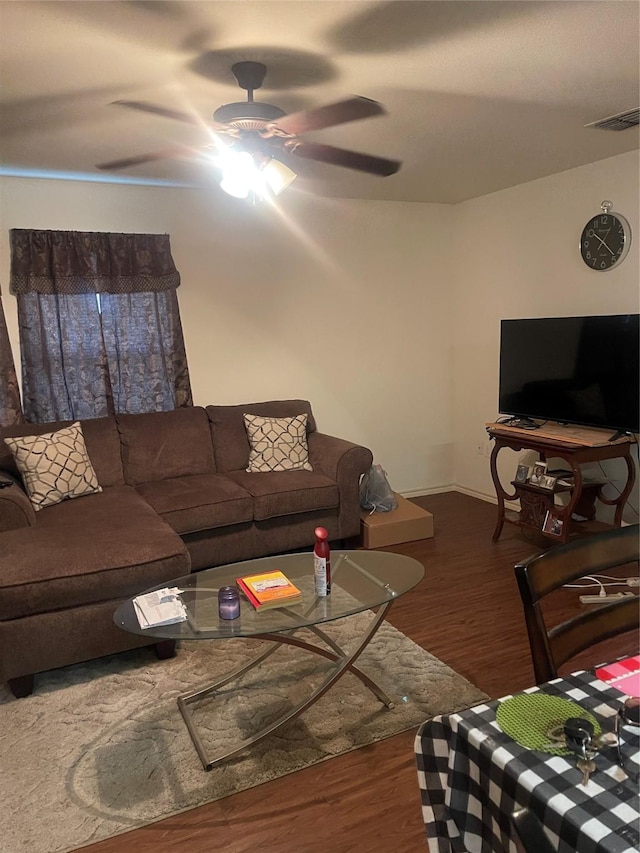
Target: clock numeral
<point>604,219</point>
<point>595,225</point>
<point>595,261</point>
<point>603,265</point>
<point>588,255</point>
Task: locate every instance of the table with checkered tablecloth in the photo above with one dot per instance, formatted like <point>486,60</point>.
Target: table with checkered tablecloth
<point>472,777</point>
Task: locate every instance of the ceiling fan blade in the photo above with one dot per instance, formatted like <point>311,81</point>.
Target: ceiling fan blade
<point>126,162</point>
<point>349,159</point>
<point>178,115</point>
<point>343,111</point>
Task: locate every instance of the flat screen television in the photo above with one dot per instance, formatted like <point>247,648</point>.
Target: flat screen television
<point>574,370</point>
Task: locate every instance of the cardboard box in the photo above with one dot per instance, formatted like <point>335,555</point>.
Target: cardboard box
<point>405,524</point>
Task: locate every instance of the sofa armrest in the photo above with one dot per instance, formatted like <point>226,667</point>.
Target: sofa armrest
<point>16,509</point>
<point>345,463</point>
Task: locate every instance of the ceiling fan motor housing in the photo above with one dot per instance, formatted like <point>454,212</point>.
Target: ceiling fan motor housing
<point>255,111</point>
<point>249,115</point>
<point>250,75</point>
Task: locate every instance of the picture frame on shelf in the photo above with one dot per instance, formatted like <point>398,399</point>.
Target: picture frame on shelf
<point>552,524</point>
<point>538,472</point>
<point>548,482</point>
<point>522,473</point>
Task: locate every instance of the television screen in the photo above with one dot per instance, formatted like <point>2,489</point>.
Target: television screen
<point>575,370</point>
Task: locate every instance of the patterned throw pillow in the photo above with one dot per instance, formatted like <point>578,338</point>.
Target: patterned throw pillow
<point>54,466</point>
<point>277,444</point>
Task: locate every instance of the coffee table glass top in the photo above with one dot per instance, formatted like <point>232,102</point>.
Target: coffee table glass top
<point>359,580</point>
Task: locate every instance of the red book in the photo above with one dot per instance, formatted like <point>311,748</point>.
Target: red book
<point>623,675</point>
<point>247,592</point>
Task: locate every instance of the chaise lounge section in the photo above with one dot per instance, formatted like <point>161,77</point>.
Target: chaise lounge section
<point>175,497</point>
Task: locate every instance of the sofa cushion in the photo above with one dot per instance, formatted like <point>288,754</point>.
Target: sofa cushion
<point>163,445</point>
<point>277,444</point>
<point>198,502</point>
<point>100,436</point>
<point>287,492</point>
<point>103,446</point>
<point>109,545</point>
<point>54,466</point>
<point>230,441</point>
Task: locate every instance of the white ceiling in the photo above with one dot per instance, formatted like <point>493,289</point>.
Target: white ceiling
<point>480,95</point>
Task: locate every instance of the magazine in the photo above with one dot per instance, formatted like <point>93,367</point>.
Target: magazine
<point>161,607</point>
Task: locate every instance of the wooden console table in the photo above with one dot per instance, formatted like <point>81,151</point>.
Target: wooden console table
<point>577,446</point>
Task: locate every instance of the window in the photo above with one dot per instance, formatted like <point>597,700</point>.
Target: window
<point>99,322</point>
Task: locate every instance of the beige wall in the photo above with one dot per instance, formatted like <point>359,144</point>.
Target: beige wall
<point>385,315</point>
<point>345,303</point>
<point>520,258</point>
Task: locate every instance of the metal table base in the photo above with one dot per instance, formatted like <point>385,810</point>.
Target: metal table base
<point>342,663</point>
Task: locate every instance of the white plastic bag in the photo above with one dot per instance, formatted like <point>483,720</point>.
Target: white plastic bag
<point>375,492</point>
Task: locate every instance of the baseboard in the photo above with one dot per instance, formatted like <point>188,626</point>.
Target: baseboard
<point>434,490</point>
<point>463,490</point>
<point>482,496</point>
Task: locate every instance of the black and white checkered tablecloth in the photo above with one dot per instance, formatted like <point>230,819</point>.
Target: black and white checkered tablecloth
<point>472,776</point>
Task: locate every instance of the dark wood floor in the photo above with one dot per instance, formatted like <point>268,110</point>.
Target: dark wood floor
<point>466,612</point>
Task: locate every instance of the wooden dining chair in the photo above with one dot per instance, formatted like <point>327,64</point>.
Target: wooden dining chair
<point>529,835</point>
<point>542,574</point>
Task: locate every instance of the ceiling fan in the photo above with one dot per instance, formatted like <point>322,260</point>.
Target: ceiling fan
<point>263,131</point>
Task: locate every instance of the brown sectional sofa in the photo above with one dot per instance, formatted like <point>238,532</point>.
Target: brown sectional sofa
<point>175,498</point>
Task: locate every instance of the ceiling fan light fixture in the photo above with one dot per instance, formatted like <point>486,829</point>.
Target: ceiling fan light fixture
<point>244,173</point>
<point>278,176</point>
<point>239,173</point>
<point>234,187</point>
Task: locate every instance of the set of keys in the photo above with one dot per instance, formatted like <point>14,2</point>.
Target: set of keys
<point>578,734</point>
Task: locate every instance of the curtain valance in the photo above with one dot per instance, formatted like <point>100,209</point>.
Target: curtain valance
<point>73,262</point>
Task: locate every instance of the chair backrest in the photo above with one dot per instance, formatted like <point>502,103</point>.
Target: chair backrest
<point>540,575</point>
<point>529,834</point>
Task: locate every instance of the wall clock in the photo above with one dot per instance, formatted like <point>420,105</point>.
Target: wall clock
<point>605,239</point>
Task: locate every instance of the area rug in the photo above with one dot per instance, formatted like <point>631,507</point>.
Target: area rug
<point>101,748</point>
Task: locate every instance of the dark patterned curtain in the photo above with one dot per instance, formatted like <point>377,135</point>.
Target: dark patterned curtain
<point>10,408</point>
<point>149,378</point>
<point>100,328</point>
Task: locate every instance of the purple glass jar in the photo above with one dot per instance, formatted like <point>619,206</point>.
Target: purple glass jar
<point>228,602</point>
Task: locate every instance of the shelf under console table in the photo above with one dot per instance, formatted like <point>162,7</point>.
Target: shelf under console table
<point>576,446</point>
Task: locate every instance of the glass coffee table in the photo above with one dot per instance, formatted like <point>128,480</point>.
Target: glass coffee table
<point>360,581</point>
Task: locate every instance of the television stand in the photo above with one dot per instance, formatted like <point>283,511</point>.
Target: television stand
<point>577,446</point>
